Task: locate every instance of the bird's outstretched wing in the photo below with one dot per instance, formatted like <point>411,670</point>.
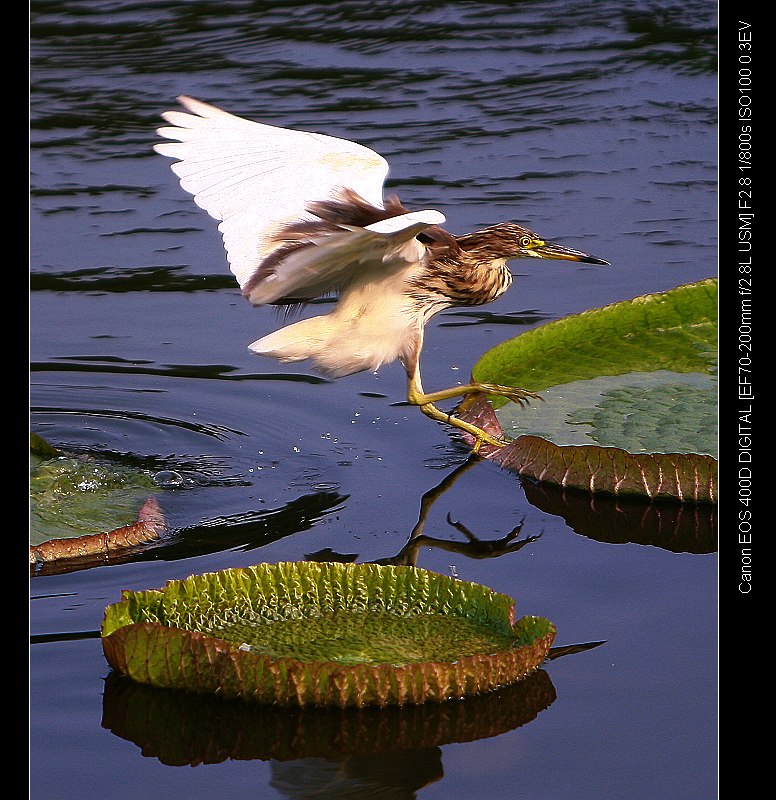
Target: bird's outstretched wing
<point>260,180</point>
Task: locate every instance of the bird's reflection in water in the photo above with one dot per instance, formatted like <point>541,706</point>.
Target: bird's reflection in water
<point>676,527</point>
<point>472,547</point>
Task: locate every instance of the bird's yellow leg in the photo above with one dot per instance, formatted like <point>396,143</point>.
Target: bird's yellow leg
<point>425,402</point>
<point>520,396</point>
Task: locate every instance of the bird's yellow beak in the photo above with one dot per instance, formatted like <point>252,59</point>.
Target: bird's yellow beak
<point>552,250</point>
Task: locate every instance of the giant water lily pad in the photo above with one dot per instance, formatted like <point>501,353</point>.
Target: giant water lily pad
<point>327,634</point>
<point>630,397</point>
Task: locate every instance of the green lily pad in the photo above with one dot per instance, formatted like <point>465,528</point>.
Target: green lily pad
<point>629,388</point>
<point>328,634</point>
<point>40,448</point>
<point>674,331</point>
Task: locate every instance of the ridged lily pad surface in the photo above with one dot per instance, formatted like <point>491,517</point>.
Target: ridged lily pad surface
<point>630,397</point>
<point>326,634</point>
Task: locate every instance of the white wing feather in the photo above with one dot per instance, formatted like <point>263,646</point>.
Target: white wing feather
<point>384,246</point>
<point>255,178</point>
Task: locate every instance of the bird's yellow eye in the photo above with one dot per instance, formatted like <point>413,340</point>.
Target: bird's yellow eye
<point>526,241</point>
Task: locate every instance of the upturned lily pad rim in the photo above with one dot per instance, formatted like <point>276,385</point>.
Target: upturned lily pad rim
<point>664,477</point>
<point>89,550</point>
<point>137,642</point>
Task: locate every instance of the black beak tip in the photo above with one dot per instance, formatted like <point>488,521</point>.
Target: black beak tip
<point>594,260</point>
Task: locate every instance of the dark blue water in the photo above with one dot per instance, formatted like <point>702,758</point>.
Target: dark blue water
<point>593,123</point>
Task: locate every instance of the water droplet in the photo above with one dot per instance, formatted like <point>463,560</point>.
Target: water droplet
<point>325,486</point>
<point>168,479</point>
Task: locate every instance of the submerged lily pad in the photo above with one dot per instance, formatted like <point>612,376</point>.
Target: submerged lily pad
<point>641,412</point>
<point>630,397</point>
<point>328,634</point>
<point>72,496</point>
<point>84,508</point>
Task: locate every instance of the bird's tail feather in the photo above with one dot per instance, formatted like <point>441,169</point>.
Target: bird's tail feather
<point>317,338</point>
<point>304,339</point>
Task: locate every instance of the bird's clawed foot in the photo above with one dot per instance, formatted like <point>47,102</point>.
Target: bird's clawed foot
<point>485,438</point>
<point>480,436</point>
<point>520,396</point>
<point>425,401</point>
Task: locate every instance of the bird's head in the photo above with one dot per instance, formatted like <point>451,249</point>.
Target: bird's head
<point>509,240</point>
